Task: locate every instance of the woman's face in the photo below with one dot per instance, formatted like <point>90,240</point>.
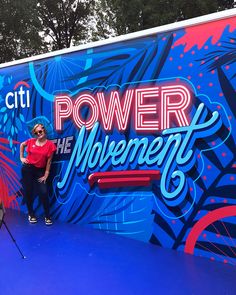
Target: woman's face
<point>40,132</point>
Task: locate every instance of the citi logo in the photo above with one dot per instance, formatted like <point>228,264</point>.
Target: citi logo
<point>20,97</point>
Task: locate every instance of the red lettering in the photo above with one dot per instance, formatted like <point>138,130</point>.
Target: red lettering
<point>154,108</point>
<point>115,109</point>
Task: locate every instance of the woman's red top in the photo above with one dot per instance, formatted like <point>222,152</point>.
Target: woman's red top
<point>38,155</point>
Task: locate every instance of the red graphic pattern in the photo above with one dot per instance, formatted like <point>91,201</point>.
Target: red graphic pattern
<point>9,182</point>
<point>204,222</point>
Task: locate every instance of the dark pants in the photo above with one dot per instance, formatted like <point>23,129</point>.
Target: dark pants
<point>31,186</point>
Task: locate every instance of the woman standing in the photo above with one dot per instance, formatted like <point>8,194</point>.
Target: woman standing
<point>35,170</point>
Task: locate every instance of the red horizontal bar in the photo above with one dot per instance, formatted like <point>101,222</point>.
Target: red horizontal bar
<point>118,182</point>
<point>125,176</point>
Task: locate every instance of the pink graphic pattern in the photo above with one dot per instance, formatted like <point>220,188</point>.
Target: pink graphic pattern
<point>199,35</point>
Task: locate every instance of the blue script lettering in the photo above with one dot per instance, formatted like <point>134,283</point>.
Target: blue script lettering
<point>173,150</point>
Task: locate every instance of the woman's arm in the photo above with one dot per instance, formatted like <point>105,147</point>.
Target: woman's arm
<point>22,149</point>
<point>48,166</point>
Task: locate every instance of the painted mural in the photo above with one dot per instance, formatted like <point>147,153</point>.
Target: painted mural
<point>144,129</point>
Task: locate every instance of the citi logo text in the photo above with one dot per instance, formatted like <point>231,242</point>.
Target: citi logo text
<point>20,97</point>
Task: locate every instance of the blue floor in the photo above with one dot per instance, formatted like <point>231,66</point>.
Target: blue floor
<point>71,259</point>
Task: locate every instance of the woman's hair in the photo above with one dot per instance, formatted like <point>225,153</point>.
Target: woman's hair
<point>36,126</point>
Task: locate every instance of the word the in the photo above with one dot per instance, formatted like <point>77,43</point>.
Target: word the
<point>63,145</point>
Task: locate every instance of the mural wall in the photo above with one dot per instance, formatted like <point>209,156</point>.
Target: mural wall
<point>144,129</point>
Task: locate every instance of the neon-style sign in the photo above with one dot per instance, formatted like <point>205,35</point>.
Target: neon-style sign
<point>154,108</point>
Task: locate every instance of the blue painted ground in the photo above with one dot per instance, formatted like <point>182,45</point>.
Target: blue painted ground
<point>71,259</point>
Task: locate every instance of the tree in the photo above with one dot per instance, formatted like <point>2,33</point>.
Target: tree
<point>32,27</point>
<point>19,30</point>
<point>65,22</point>
<point>116,17</point>
<point>123,16</point>
<point>189,9</point>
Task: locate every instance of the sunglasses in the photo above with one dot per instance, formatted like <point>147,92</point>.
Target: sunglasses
<point>38,132</point>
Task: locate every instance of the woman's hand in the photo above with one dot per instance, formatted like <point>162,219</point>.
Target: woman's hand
<point>44,178</point>
<point>24,160</point>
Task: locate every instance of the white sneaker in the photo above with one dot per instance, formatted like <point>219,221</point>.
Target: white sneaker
<point>32,219</point>
<point>48,221</point>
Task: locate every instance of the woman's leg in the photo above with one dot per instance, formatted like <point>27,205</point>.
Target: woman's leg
<point>28,186</point>
<point>42,190</point>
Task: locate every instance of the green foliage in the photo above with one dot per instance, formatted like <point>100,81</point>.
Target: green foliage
<point>124,16</point>
<point>32,27</point>
<point>19,30</point>
<point>117,17</point>
<point>64,21</point>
